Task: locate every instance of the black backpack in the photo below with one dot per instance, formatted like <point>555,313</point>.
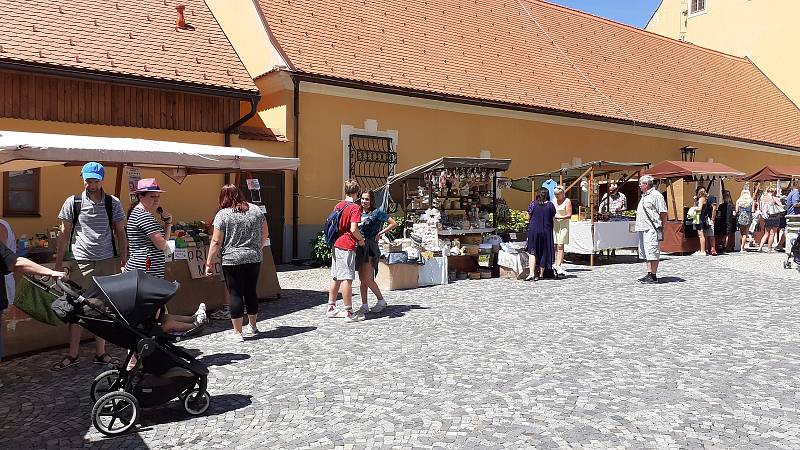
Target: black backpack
<point>77,202</point>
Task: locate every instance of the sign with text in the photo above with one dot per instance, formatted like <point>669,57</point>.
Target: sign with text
<point>196,258</point>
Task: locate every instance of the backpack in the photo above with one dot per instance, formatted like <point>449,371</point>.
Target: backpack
<point>77,201</point>
<point>332,231</point>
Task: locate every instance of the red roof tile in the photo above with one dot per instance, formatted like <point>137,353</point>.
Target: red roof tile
<point>137,38</point>
<point>534,54</point>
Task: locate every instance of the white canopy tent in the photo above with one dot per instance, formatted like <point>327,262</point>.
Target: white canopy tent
<point>21,151</point>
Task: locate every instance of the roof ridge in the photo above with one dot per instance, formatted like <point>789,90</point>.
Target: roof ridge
<point>773,83</point>
<point>547,4</point>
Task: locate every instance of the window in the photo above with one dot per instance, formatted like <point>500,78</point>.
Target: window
<point>21,193</point>
<point>697,6</point>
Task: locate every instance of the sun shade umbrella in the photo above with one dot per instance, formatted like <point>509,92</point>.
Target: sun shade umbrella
<point>772,173</point>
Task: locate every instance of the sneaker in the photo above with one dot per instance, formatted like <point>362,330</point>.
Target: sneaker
<point>364,309</point>
<point>332,311</point>
<point>531,278</point>
<point>200,316</point>
<point>649,279</point>
<point>236,337</point>
<point>351,316</point>
<point>221,314</point>
<point>645,278</point>
<point>699,253</point>
<point>341,313</point>
<point>250,330</point>
<point>380,306</point>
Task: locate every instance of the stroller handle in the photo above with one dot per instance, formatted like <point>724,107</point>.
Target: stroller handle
<point>67,289</point>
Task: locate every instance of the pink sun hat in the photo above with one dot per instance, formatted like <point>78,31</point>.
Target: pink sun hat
<point>147,185</point>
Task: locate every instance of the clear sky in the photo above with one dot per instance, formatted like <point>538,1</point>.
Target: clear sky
<point>631,12</point>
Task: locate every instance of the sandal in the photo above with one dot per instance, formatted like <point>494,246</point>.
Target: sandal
<point>65,362</point>
<point>105,358</point>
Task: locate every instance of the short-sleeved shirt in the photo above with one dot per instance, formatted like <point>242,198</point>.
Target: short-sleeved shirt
<point>791,199</point>
<point>372,222</point>
<point>142,253</point>
<point>93,234</point>
<point>614,203</point>
<point>7,261</point>
<point>351,213</point>
<point>242,235</point>
<point>648,213</point>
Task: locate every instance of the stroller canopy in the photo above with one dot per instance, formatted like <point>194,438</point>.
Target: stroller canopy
<point>136,295</point>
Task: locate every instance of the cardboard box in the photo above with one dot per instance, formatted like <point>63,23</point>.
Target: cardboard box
<point>509,274</point>
<point>392,277</point>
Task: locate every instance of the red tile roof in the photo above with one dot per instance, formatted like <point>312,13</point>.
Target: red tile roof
<point>128,38</point>
<point>533,54</point>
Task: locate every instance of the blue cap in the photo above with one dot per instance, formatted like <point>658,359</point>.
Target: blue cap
<point>93,171</point>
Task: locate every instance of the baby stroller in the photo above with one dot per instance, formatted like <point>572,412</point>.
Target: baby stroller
<point>126,314</point>
<point>794,253</point>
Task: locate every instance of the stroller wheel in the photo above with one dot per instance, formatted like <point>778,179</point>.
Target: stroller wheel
<point>196,402</point>
<point>787,265</point>
<point>103,384</point>
<point>115,413</point>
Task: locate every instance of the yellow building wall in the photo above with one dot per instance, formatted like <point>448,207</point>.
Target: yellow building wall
<point>426,133</point>
<point>765,31</point>
<point>194,199</point>
<point>245,30</point>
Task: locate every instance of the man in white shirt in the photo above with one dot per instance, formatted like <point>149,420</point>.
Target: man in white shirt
<point>651,214</point>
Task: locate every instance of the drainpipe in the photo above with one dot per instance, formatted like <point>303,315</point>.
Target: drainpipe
<point>295,182</point>
<point>235,125</point>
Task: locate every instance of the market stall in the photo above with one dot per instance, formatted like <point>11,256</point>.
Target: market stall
<point>594,226</point>
<point>21,151</point>
<point>775,174</point>
<point>679,233</point>
<point>448,205</point>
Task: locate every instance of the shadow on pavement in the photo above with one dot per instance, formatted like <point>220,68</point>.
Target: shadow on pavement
<point>662,280</point>
<point>394,311</point>
<point>281,332</point>
<point>173,412</point>
<point>223,359</point>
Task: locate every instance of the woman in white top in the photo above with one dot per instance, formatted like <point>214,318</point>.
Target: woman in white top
<point>744,215</point>
<point>561,227</point>
<point>769,201</point>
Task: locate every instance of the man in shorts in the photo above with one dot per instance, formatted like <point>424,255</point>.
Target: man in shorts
<point>651,215</point>
<point>100,217</point>
<point>343,263</point>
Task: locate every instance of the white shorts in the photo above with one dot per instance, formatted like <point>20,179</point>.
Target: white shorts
<point>343,264</point>
<point>649,249</point>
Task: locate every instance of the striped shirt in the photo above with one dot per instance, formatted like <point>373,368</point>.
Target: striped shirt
<point>93,235</point>
<point>142,253</point>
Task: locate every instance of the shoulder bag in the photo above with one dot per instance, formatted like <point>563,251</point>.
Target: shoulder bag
<point>659,230</point>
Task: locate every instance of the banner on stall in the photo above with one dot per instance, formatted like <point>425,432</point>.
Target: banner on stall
<point>196,258</point>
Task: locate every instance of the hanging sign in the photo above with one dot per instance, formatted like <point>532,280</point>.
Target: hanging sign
<point>134,175</point>
<point>253,184</point>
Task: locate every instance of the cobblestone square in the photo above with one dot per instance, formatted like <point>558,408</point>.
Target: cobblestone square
<point>708,358</point>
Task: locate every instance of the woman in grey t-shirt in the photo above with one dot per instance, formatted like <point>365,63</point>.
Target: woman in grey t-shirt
<point>240,232</point>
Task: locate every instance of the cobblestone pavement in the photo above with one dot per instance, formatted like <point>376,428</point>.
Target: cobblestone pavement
<point>708,358</point>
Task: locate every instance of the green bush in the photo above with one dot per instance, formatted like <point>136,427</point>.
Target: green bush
<point>517,222</point>
<point>320,250</point>
<point>397,233</point>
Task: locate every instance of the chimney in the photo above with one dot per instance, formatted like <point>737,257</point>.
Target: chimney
<point>181,22</point>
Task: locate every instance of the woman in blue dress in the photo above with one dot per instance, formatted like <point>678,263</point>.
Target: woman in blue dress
<point>541,212</point>
<point>372,229</point>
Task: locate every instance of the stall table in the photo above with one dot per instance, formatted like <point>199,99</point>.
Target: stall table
<point>607,236</point>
